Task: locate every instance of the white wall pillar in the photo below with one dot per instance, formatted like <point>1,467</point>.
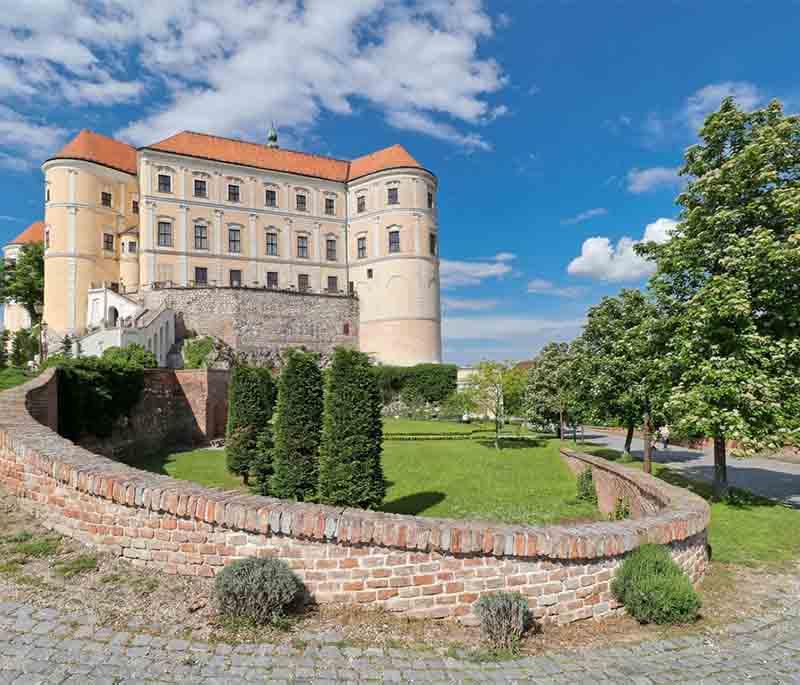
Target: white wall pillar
<point>376,237</point>
<point>252,231</point>
<point>418,234</point>
<point>183,246</point>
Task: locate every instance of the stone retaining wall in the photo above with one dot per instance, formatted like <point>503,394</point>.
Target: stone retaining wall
<point>422,567</point>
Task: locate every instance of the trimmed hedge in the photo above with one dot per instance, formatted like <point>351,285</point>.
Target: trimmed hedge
<point>251,399</point>
<point>93,393</point>
<point>131,354</point>
<point>350,471</point>
<point>298,427</point>
<point>432,382</point>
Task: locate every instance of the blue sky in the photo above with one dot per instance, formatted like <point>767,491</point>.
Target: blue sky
<point>555,127</point>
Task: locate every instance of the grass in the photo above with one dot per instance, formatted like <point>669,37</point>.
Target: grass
<point>204,466</point>
<point>12,377</point>
<point>414,427</point>
<point>73,567</point>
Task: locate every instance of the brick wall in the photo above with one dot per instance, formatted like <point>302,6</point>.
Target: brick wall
<point>254,321</point>
<point>418,566</point>
<point>176,409</point>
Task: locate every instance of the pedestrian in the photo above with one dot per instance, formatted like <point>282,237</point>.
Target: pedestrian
<point>663,433</point>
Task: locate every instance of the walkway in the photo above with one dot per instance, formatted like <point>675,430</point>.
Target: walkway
<point>768,477</point>
<point>41,646</point>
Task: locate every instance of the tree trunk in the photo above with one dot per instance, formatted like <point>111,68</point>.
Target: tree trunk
<point>560,424</point>
<point>648,443</point>
<point>629,438</point>
<point>496,432</point>
<point>246,478</point>
<point>575,433</point>
<point>720,466</point>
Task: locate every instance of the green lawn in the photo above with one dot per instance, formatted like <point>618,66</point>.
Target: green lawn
<point>204,466</point>
<point>414,427</point>
<point>12,377</point>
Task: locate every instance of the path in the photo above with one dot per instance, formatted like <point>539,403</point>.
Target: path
<point>41,646</point>
<point>768,477</point>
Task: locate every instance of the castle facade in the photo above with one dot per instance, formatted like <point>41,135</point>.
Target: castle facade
<point>196,211</point>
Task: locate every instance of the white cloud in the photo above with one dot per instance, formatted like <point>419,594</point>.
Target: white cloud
<point>6,217</point>
<point>458,273</point>
<point>706,100</point>
<point>646,180</point>
<point>541,286</point>
<point>585,216</point>
<point>463,304</point>
<point>505,257</point>
<point>24,142</point>
<point>602,260</point>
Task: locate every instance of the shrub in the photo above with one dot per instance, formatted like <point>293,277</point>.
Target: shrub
<point>504,618</point>
<point>5,337</point>
<point>433,382</point>
<point>622,510</point>
<point>133,354</point>
<point>585,486</point>
<point>258,589</point>
<point>24,346</point>
<point>298,427</point>
<point>350,471</point>
<point>195,352</point>
<point>251,399</point>
<point>654,589</point>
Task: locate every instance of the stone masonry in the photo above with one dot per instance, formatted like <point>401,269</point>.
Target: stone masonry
<point>422,567</point>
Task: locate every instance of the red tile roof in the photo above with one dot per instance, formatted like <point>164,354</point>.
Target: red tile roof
<point>388,158</point>
<point>33,234</point>
<point>94,147</point>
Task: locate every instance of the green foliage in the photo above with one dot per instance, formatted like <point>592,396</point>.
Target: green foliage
<point>585,486</point>
<point>548,395</point>
<point>93,393</point>
<point>350,471</point>
<point>622,510</point>
<point>24,346</point>
<point>133,354</point>
<point>298,427</point>
<point>23,279</point>
<point>66,347</point>
<point>12,377</point>
<point>257,589</point>
<point>486,390</point>
<point>433,382</point>
<point>654,589</point>
<point>251,399</point>
<point>414,402</point>
<point>195,352</point>
<point>504,617</point>
<point>457,405</point>
<point>514,383</point>
<point>77,565</point>
<point>5,340</point>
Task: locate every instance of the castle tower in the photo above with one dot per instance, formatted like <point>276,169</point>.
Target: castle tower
<point>90,191</point>
<point>394,257</point>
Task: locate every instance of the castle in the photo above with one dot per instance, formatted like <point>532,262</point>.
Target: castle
<point>211,235</point>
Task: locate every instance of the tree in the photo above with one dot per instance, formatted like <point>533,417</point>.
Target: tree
<point>24,347</point>
<point>22,280</point>
<point>486,386</point>
<point>727,282</point>
<point>5,337</point>
<point>547,393</point>
<point>515,380</point>
<point>131,354</point>
<point>251,399</point>
<point>66,347</point>
<point>298,427</point>
<point>350,471</point>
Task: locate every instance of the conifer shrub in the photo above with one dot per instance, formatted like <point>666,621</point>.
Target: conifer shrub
<point>432,382</point>
<point>5,338</point>
<point>298,427</point>
<point>585,486</point>
<point>350,471</point>
<point>261,590</point>
<point>504,619</point>
<point>654,589</point>
<point>251,399</point>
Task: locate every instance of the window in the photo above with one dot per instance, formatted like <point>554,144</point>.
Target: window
<point>200,188</point>
<point>394,241</point>
<point>351,287</point>
<point>47,195</point>
<point>234,240</point>
<point>271,197</point>
<point>164,234</point>
<point>132,247</point>
<point>233,192</point>
<point>392,197</point>
<point>333,284</point>
<point>272,279</point>
<point>300,202</point>
<point>201,275</point>
<point>108,242</point>
<point>105,199</point>
<point>135,206</point>
<point>46,240</point>
<point>235,278</point>
<point>362,203</point>
<point>200,237</point>
<point>272,244</point>
<point>346,329</point>
<point>361,247</point>
<point>302,282</point>
<point>330,206</point>
<point>430,200</point>
<point>302,246</point>
<point>164,183</point>
<point>330,249</point>
<point>432,243</point>
<point>369,273</point>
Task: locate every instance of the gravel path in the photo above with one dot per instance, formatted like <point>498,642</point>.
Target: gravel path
<point>42,646</point>
<point>778,480</point>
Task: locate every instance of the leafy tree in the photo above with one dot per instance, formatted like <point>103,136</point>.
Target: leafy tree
<point>66,347</point>
<point>727,282</point>
<point>131,354</point>
<point>548,392</point>
<point>24,347</point>
<point>486,386</point>
<point>5,338</point>
<point>350,471</point>
<point>22,280</point>
<point>515,380</point>
<point>298,427</point>
<point>251,398</point>
<point>458,404</point>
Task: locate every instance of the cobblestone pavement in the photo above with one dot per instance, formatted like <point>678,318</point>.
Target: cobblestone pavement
<point>43,646</point>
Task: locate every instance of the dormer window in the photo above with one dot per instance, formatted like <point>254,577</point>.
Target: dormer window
<point>300,202</point>
<point>164,183</point>
<point>392,196</point>
<point>200,188</point>
<point>330,206</point>
<point>362,203</point>
<point>105,199</point>
<point>233,192</point>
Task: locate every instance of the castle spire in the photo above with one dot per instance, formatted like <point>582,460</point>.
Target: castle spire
<point>272,136</point>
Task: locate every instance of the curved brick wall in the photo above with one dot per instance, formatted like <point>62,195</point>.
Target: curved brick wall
<point>421,566</point>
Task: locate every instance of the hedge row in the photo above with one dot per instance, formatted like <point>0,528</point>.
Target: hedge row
<point>433,382</point>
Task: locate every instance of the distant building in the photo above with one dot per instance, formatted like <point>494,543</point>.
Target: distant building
<point>15,316</point>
